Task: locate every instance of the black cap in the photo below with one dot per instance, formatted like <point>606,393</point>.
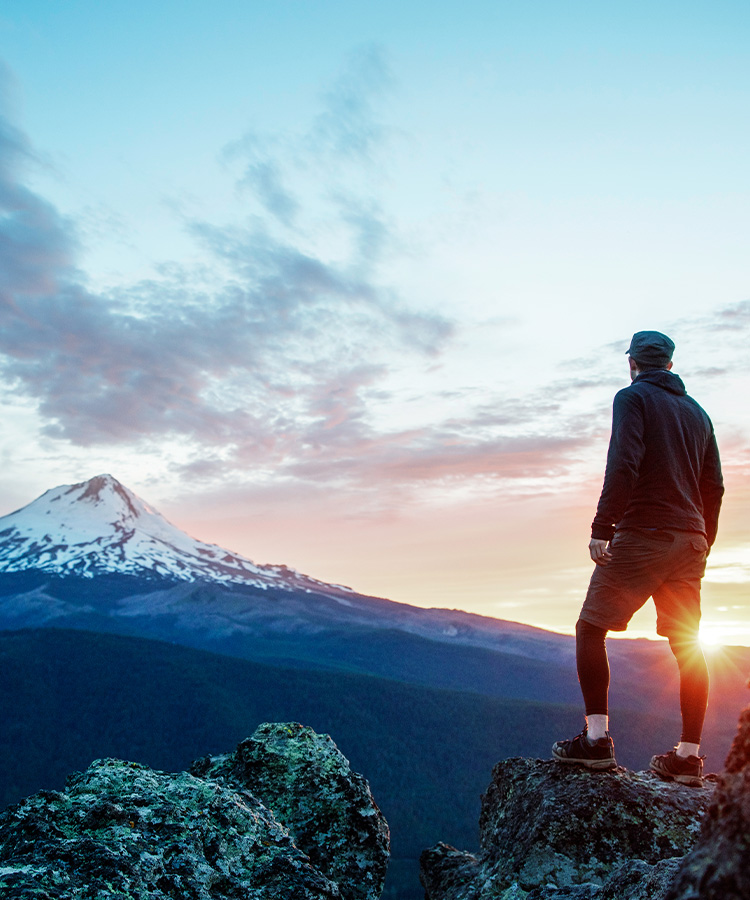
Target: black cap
<point>652,348</point>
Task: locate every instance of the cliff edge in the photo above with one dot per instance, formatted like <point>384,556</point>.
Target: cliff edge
<point>549,832</point>
<point>553,832</point>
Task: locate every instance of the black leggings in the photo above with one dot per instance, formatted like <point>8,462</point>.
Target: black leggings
<point>593,667</point>
<point>593,674</point>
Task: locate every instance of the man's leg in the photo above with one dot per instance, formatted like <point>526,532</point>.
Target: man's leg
<point>693,691</point>
<point>677,618</point>
<point>616,591</point>
<point>593,747</point>
<point>593,676</point>
<point>684,764</point>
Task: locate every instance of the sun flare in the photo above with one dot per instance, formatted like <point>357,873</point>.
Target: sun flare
<point>712,638</point>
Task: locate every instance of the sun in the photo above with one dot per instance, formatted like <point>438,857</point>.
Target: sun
<point>712,638</point>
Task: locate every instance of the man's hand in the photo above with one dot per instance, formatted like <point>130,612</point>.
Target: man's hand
<point>600,551</point>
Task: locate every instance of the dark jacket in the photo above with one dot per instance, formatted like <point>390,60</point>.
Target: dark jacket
<point>663,468</point>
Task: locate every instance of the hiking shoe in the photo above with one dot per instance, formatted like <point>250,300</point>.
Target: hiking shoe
<point>685,769</point>
<point>581,751</point>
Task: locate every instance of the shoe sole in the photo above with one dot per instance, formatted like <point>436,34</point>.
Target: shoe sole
<point>597,764</point>
<point>690,780</point>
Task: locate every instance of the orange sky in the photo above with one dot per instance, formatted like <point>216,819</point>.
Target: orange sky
<point>524,559</point>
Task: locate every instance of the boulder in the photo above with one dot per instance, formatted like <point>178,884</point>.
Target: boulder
<point>122,830</point>
<point>549,832</point>
<point>328,809</point>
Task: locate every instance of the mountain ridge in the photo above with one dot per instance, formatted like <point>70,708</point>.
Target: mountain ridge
<point>99,530</point>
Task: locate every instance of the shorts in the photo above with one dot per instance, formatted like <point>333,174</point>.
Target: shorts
<point>665,565</point>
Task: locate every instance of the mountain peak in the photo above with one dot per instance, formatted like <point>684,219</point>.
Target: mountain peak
<point>98,488</point>
<point>106,493</point>
<point>102,500</point>
<point>99,527</point>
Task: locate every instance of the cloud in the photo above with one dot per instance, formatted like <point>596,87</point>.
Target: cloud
<point>279,365</point>
<point>533,443</point>
<point>36,247</point>
<point>714,342</point>
<point>329,172</point>
<point>432,455</point>
<point>347,126</point>
<point>264,178</point>
<point>733,317</point>
<point>290,337</point>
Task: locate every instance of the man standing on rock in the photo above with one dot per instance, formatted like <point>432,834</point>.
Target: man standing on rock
<point>654,526</point>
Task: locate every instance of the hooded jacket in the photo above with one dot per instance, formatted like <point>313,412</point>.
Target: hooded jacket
<point>663,469</point>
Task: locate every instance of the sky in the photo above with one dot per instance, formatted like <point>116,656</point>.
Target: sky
<point>349,286</point>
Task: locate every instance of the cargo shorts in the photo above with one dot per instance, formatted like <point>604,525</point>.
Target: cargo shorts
<point>665,565</point>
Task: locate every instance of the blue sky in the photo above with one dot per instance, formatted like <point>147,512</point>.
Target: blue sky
<point>349,286</point>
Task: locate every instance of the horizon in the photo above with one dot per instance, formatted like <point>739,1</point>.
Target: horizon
<point>711,640</point>
<point>351,289</point>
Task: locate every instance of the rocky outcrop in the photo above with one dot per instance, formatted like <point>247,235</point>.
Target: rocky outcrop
<point>549,832</point>
<point>718,868</point>
<point>122,830</point>
<point>328,809</point>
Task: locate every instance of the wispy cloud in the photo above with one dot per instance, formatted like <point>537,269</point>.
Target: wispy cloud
<point>288,342</point>
<point>36,244</point>
<point>348,127</point>
<point>732,318</point>
<point>279,362</point>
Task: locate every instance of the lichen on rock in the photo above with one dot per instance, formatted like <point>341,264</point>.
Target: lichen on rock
<point>552,832</point>
<point>121,830</point>
<point>328,809</point>
<point>448,872</point>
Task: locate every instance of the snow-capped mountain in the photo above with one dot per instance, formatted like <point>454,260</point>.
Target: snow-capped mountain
<point>100,527</point>
<point>95,556</point>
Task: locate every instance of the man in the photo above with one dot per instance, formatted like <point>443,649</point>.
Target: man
<point>654,526</point>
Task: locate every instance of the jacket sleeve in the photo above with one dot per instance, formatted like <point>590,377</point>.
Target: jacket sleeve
<point>711,488</point>
<point>624,457</point>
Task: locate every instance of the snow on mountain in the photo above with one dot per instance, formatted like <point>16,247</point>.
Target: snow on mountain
<point>99,526</point>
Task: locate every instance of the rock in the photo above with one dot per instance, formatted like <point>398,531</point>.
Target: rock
<point>447,872</point>
<point>549,832</point>
<point>718,868</point>
<point>122,830</point>
<point>636,880</point>
<point>738,759</point>
<point>543,822</point>
<point>328,809</point>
